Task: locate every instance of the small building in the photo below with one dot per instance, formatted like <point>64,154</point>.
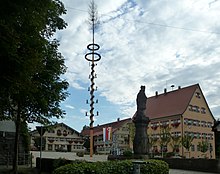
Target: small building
<point>119,137</point>
<point>7,142</point>
<point>183,112</point>
<point>58,137</point>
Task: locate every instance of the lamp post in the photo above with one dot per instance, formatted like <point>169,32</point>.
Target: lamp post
<point>92,57</point>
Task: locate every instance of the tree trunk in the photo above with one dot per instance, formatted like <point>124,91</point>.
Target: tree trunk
<point>16,144</point>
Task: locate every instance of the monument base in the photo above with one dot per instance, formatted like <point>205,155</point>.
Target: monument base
<point>143,157</point>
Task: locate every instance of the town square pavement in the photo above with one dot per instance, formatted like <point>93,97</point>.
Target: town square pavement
<point>176,171</point>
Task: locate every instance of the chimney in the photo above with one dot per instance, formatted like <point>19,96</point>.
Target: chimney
<point>179,87</point>
<point>156,93</point>
<point>165,90</point>
<point>118,119</point>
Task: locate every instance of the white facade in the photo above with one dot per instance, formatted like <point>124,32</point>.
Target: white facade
<point>60,138</point>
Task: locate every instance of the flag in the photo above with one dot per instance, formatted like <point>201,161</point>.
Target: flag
<point>107,134</point>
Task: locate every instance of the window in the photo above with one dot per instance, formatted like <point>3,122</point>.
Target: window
<point>196,109</point>
<point>203,110</point>
<point>176,148</point>
<point>154,125</point>
<point>192,147</point>
<point>59,132</point>
<point>203,124</point>
<point>204,135</point>
<point>198,135</point>
<point>186,120</point>
<point>209,124</point>
<point>155,150</point>
<point>190,107</point>
<point>164,123</point>
<point>198,95</point>
<point>176,134</point>
<point>198,148</point>
<point>189,122</point>
<point>195,122</point>
<point>56,146</point>
<point>50,147</point>
<point>164,148</point>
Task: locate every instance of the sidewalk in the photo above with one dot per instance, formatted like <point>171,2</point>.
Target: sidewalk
<point>177,171</point>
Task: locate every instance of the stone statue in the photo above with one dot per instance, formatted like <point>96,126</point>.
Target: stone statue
<point>140,144</point>
<point>141,102</point>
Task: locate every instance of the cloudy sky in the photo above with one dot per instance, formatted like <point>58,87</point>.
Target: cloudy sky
<point>143,42</point>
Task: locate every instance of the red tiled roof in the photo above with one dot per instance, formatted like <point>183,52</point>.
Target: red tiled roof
<point>167,104</point>
<point>98,130</point>
<point>170,103</point>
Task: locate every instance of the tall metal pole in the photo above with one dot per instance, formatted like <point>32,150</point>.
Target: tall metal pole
<point>92,57</point>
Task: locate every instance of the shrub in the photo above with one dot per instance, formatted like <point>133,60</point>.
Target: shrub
<point>155,166</point>
<point>127,153</point>
<point>60,162</point>
<point>80,154</point>
<point>113,167</point>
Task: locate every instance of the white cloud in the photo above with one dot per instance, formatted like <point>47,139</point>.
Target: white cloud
<point>152,43</point>
<point>70,106</point>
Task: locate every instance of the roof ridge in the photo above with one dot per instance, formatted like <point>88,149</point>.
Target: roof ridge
<point>120,121</point>
<point>178,89</point>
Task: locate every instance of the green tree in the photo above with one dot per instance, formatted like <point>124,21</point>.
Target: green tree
<point>204,147</point>
<point>165,138</point>
<point>30,64</point>
<point>175,143</point>
<point>187,142</point>
<point>151,142</point>
<point>25,136</point>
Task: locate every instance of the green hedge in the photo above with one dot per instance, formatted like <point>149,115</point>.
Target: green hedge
<point>113,167</point>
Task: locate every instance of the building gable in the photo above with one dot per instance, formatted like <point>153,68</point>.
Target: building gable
<point>198,107</point>
<point>59,129</point>
<point>98,130</point>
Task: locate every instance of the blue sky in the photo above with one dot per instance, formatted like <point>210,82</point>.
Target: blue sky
<point>143,42</point>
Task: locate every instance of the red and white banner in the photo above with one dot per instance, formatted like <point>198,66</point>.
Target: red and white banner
<point>107,134</point>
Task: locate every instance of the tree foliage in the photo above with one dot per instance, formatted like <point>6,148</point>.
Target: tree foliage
<point>204,146</point>
<point>187,141</point>
<point>30,64</point>
<point>165,136</point>
<point>175,143</point>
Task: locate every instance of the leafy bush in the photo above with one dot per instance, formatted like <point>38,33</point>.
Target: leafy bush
<point>60,162</point>
<point>80,154</point>
<point>155,166</point>
<point>127,153</point>
<point>113,167</point>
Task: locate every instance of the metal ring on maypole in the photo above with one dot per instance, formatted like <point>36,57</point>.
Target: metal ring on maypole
<point>93,56</point>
